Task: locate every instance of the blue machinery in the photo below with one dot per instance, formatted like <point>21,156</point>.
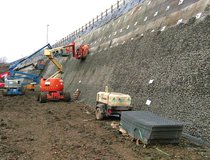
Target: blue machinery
<point>17,79</point>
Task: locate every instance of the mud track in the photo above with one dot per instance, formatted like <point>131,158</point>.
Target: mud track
<point>59,130</point>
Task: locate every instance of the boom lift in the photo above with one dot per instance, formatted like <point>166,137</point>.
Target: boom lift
<point>15,66</point>
<point>52,87</point>
<point>15,82</point>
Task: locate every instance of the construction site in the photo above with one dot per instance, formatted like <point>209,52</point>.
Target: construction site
<point>131,84</point>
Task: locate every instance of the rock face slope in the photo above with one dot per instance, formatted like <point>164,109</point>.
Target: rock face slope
<point>156,52</point>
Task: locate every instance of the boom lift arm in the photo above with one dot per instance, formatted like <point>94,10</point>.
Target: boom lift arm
<point>15,66</point>
<point>51,54</point>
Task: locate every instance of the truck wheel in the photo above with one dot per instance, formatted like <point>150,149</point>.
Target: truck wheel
<point>23,90</point>
<point>83,59</point>
<point>43,98</point>
<point>38,97</point>
<point>37,88</point>
<point>99,114</point>
<point>67,97</point>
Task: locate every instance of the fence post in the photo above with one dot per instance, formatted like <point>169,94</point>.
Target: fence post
<point>101,15</point>
<point>93,21</point>
<point>111,8</point>
<point>118,4</point>
<point>123,2</point>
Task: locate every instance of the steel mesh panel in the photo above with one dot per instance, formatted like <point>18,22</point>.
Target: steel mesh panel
<point>150,128</point>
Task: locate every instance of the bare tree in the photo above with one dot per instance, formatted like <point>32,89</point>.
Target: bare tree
<point>3,60</point>
<point>3,64</point>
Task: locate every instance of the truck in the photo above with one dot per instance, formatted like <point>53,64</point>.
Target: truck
<point>111,104</point>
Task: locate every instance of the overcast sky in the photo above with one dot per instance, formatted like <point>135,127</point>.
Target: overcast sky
<point>23,28</point>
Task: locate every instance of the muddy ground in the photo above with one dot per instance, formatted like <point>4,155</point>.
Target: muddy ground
<point>60,130</point>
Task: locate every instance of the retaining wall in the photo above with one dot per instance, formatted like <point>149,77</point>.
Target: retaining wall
<point>157,53</point>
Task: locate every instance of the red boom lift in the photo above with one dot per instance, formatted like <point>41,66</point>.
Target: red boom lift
<point>52,87</point>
